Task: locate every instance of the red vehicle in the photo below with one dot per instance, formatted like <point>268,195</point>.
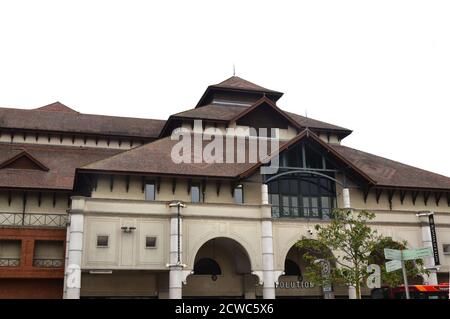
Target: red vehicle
<point>439,291</point>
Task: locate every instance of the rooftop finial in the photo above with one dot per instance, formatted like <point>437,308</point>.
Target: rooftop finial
<point>306,116</point>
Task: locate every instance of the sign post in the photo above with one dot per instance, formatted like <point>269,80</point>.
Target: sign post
<point>398,258</point>
<point>405,278</point>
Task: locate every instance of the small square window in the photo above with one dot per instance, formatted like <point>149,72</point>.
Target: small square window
<point>446,249</point>
<point>102,241</point>
<point>150,242</point>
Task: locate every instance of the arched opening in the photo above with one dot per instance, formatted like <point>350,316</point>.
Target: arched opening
<point>222,269</point>
<point>294,283</point>
<point>207,266</point>
<point>291,268</point>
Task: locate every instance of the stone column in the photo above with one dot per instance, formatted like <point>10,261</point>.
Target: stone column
<point>347,205</point>
<point>75,251</point>
<point>346,198</point>
<point>267,247</point>
<point>66,260</point>
<point>176,257</point>
<point>431,278</point>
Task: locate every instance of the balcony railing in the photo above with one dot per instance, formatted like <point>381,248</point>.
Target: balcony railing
<point>36,220</point>
<point>9,262</point>
<point>48,263</point>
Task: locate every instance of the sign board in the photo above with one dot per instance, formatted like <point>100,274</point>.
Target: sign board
<point>434,239</point>
<point>411,254</point>
<point>392,254</point>
<point>393,265</point>
<point>408,254</point>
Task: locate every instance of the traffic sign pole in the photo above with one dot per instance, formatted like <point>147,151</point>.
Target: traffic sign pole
<point>405,279</point>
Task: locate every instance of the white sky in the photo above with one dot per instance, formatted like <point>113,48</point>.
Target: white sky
<point>381,68</point>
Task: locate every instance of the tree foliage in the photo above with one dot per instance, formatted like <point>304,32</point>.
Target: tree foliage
<point>356,245</point>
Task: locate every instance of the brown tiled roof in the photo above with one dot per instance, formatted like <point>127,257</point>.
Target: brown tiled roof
<point>58,118</point>
<point>216,112</point>
<point>237,85</point>
<point>56,107</point>
<point>390,173</point>
<point>61,162</point>
<point>236,82</point>
<point>155,158</point>
<point>307,122</point>
<point>221,112</point>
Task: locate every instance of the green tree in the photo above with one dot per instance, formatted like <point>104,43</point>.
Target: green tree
<point>353,241</point>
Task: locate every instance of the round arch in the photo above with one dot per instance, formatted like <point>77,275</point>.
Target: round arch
<point>244,245</point>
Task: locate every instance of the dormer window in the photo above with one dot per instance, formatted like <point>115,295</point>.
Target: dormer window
<point>23,160</point>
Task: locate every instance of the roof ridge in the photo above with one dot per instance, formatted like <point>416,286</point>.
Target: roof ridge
<point>242,84</point>
<point>56,107</point>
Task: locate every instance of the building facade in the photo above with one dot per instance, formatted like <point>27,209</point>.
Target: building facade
<point>96,206</point>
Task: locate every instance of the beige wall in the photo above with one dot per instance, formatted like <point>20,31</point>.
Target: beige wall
<point>30,138</point>
<point>252,190</point>
<point>32,202</point>
<point>125,250</point>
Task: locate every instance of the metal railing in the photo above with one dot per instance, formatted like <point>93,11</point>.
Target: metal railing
<point>32,219</point>
<point>48,263</point>
<point>9,262</point>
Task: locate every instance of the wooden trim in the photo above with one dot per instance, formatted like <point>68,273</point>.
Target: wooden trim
<point>127,183</point>
<point>437,197</point>
<point>390,196</point>
<point>218,186</point>
<point>378,193</point>
<point>174,185</point>
<point>111,182</point>
<point>426,196</point>
<point>402,196</point>
<point>414,195</point>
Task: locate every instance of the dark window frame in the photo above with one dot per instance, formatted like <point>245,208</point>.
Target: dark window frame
<point>147,246</point>
<point>192,186</point>
<point>101,245</point>
<point>241,188</point>
<point>148,183</point>
<point>309,197</point>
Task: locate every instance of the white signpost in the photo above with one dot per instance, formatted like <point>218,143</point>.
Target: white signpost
<point>398,258</point>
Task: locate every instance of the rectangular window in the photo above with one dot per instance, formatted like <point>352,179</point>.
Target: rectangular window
<point>150,191</point>
<point>306,206</point>
<point>285,200</point>
<point>150,242</point>
<point>102,241</point>
<point>195,193</point>
<point>446,249</point>
<point>294,206</point>
<point>274,199</point>
<point>10,251</point>
<point>326,207</point>
<point>239,194</point>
